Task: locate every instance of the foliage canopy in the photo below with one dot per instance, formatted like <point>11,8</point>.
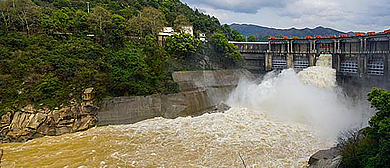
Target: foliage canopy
<point>51,50</point>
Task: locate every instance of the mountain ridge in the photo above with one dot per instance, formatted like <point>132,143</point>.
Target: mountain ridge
<point>262,31</point>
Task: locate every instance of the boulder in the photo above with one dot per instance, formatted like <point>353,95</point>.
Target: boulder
<point>29,109</point>
<point>36,121</point>
<point>85,123</point>
<point>330,158</point>
<point>63,130</point>
<point>44,128</point>
<point>3,133</point>
<point>28,118</point>
<point>5,120</point>
<point>222,107</point>
<point>18,135</point>
<point>16,123</point>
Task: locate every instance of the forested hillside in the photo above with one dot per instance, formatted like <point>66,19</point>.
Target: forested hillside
<point>51,50</point>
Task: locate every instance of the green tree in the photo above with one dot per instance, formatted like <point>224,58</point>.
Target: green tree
<point>232,35</point>
<point>179,22</point>
<point>129,72</point>
<point>158,61</point>
<point>237,36</point>
<point>149,21</point>
<point>6,15</point>
<point>80,20</point>
<point>252,38</point>
<point>379,129</point>
<point>227,52</point>
<point>114,32</point>
<point>62,3</point>
<point>19,14</point>
<point>99,17</point>
<point>227,31</point>
<point>62,20</point>
<point>46,20</point>
<point>182,45</point>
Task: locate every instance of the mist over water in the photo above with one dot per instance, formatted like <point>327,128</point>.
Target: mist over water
<point>309,97</point>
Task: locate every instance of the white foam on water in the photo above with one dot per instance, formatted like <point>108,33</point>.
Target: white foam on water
<point>310,97</point>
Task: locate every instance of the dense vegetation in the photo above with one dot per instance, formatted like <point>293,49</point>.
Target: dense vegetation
<point>51,50</point>
<point>370,147</point>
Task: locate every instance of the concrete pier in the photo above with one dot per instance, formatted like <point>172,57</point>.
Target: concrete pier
<point>358,56</point>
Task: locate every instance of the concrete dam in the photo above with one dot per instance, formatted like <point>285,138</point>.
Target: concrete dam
<point>361,60</point>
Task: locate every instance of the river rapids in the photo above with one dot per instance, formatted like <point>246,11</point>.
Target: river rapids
<point>278,122</point>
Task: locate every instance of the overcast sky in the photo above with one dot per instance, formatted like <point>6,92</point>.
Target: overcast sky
<point>344,15</point>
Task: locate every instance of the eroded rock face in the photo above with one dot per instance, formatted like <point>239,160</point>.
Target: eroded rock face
<point>29,122</point>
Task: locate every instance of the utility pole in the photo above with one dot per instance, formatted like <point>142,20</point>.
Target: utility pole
<point>88,7</point>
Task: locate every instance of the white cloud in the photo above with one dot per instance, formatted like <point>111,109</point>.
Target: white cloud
<point>345,15</point>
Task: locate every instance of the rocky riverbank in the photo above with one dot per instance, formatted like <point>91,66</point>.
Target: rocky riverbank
<point>30,122</point>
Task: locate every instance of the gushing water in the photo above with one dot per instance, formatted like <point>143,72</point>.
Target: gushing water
<point>211,140</point>
<point>277,123</point>
<point>310,97</point>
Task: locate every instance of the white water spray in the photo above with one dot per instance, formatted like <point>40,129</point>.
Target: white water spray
<point>310,97</point>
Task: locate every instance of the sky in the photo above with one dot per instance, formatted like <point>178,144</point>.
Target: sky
<point>343,15</point>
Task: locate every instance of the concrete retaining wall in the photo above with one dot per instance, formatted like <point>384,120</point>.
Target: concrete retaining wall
<point>200,91</point>
<point>128,110</point>
<point>217,83</point>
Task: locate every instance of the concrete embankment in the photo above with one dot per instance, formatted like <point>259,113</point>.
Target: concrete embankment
<point>200,91</point>
<point>128,110</point>
<point>218,83</point>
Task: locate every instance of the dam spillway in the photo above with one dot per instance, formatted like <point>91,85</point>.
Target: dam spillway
<point>268,126</point>
<point>360,60</point>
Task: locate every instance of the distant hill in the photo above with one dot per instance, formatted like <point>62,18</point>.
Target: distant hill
<point>260,31</point>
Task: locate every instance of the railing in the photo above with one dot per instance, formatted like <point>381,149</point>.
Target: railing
<point>252,51</point>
